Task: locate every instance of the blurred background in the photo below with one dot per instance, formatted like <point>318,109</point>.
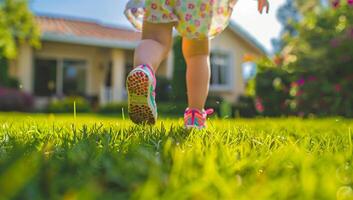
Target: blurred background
<point>295,61</point>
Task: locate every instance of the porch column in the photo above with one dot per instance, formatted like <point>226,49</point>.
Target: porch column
<point>170,65</point>
<point>25,68</point>
<point>118,73</point>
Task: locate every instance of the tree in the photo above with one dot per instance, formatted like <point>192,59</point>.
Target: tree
<point>17,25</point>
<point>323,50</point>
<point>287,15</point>
<point>317,60</point>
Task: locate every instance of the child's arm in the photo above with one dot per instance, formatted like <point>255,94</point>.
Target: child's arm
<point>262,4</point>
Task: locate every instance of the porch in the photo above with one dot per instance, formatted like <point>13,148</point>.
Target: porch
<point>61,69</point>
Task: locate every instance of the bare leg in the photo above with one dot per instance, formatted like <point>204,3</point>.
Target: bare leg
<point>155,45</point>
<point>196,53</point>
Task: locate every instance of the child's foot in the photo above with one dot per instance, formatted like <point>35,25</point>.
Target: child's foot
<point>194,118</point>
<point>140,85</point>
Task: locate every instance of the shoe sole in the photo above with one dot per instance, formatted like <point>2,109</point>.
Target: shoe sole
<point>189,127</point>
<point>139,108</point>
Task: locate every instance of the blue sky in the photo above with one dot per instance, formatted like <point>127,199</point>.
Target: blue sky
<point>262,27</point>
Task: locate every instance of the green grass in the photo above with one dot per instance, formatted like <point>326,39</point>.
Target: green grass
<point>95,157</point>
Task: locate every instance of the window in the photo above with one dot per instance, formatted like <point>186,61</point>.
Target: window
<point>45,77</point>
<point>59,76</point>
<point>221,72</point>
<point>249,70</point>
<point>74,77</point>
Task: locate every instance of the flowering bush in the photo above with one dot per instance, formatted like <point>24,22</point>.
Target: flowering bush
<point>317,62</point>
<point>272,88</point>
<point>66,105</point>
<point>14,100</point>
<point>337,3</point>
<point>324,52</point>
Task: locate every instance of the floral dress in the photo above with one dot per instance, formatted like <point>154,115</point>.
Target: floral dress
<point>194,19</point>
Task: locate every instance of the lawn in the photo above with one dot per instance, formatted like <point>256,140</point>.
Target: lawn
<point>95,157</point>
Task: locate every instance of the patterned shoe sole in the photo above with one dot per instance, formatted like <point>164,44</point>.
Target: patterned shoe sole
<point>138,85</point>
<point>194,127</point>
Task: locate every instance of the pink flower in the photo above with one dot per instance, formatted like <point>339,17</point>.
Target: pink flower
<point>188,17</point>
<point>197,23</point>
<point>312,78</point>
<point>336,3</point>
<point>259,106</point>
<point>154,6</point>
<point>334,42</point>
<point>212,2</point>
<point>171,16</point>
<point>220,10</point>
<point>203,7</point>
<point>191,6</point>
<point>167,2</point>
<point>338,88</point>
<point>301,82</point>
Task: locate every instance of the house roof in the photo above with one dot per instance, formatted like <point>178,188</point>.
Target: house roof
<point>87,32</point>
<point>90,32</point>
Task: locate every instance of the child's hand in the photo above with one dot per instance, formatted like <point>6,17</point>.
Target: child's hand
<point>262,4</point>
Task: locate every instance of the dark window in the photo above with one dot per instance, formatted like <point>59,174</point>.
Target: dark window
<point>220,69</point>
<point>74,77</point>
<point>45,77</point>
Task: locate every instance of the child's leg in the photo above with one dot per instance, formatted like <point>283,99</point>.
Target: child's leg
<point>196,54</point>
<point>155,45</point>
<point>140,83</point>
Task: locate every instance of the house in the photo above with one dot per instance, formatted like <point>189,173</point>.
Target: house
<point>84,57</point>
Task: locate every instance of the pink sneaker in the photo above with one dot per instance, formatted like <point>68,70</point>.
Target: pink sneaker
<point>140,85</point>
<point>194,118</point>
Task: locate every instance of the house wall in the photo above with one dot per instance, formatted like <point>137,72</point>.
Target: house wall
<point>21,68</point>
<point>98,60</point>
<point>97,63</point>
<point>237,47</point>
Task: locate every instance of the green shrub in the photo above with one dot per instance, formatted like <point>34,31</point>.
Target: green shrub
<point>245,107</point>
<point>171,109</point>
<point>165,109</point>
<point>114,108</point>
<point>225,109</point>
<point>66,105</point>
<point>323,63</point>
<point>272,89</point>
<point>5,79</point>
<point>179,78</point>
<point>163,89</point>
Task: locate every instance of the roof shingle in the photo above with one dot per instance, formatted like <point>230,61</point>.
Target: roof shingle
<point>88,29</point>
